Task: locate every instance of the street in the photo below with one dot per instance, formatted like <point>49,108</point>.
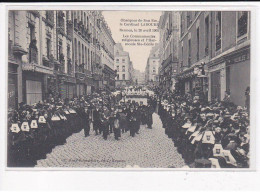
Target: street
<point>151,148</point>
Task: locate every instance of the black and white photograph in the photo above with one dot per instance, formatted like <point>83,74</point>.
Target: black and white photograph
<point>129,89</point>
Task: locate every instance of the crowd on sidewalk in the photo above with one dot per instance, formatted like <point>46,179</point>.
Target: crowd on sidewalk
<point>207,134</point>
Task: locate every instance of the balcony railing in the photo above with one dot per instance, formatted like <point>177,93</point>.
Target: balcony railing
<point>79,68</point>
<point>167,61</point>
<point>47,62</point>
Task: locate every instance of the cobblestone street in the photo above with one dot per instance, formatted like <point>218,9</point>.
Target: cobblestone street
<point>149,149</point>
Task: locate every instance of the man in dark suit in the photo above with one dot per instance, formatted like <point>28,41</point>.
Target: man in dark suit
<point>131,118</point>
<point>96,119</point>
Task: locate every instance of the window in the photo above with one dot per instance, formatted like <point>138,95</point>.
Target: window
<point>68,51</point>
<point>189,21</point>
<point>75,55</point>
<point>60,50</point>
<point>117,60</point>
<point>33,52</point>
<point>207,35</point>
<point>79,50</point>
<point>181,56</point>
<point>153,62</point>
<point>123,68</point>
<point>123,60</point>
<point>32,32</point>
<point>83,54</point>
<point>218,30</point>
<point>86,57</point>
<point>189,52</point>
<point>89,66</point>
<point>117,67</point>
<point>154,70</point>
<point>242,23</point>
<point>198,43</point>
<point>85,19</point>
<point>182,22</point>
<point>48,45</point>
<point>87,23</point>
<point>123,75</point>
<point>117,76</point>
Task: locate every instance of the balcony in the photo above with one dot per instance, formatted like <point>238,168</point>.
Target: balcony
<point>79,71</point>
<point>167,61</point>
<point>47,62</point>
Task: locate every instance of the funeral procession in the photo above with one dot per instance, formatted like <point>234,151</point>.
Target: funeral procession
<point>83,92</point>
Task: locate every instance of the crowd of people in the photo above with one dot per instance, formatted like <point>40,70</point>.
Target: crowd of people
<point>34,130</point>
<point>207,134</point>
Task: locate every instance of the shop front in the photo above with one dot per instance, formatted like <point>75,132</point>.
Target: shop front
<point>34,85</point>
<point>193,81</point>
<point>69,85</point>
<point>238,75</point>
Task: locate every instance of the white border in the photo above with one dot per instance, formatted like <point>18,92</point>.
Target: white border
<point>116,179</point>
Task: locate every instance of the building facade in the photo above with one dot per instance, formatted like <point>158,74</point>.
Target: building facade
<point>87,51</point>
<point>138,77</point>
<point>55,54</point>
<point>40,44</point>
<point>169,38</point>
<point>213,61</point>
<point>107,56</point>
<point>123,66</point>
<point>152,67</point>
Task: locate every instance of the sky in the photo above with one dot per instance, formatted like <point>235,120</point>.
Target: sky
<point>138,54</point>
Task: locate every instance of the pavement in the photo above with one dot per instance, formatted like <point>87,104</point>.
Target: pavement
<point>151,148</point>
